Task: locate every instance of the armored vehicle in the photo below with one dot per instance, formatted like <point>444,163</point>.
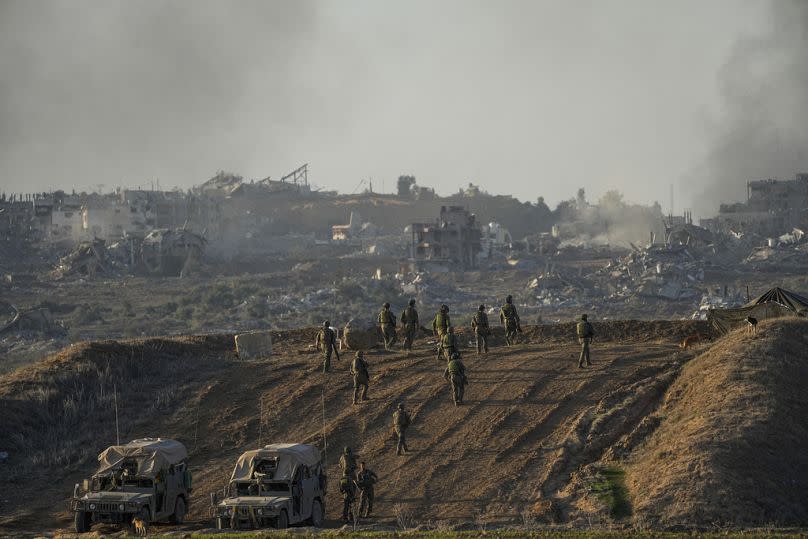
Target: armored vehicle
<point>146,478</point>
<point>275,486</point>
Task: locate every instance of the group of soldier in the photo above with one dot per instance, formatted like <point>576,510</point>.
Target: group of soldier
<point>361,480</point>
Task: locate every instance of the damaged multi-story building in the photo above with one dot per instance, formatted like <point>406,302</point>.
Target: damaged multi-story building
<point>452,242</point>
<point>773,207</point>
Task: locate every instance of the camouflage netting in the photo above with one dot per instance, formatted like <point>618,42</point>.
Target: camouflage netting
<point>775,303</point>
<point>361,334</point>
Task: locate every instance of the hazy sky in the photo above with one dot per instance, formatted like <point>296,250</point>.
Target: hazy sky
<point>526,98</point>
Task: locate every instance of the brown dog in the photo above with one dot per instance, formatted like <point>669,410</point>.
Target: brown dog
<point>690,340</point>
<point>140,526</point>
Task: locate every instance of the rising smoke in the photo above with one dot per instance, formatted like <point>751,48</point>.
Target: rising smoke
<point>764,128</point>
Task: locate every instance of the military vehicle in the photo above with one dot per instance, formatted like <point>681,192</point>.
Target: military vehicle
<point>275,486</point>
<point>146,478</point>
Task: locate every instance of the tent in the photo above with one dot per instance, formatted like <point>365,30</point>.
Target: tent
<point>772,304</point>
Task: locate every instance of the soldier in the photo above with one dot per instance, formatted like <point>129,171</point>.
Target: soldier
<point>388,324</point>
<point>348,490</point>
<point>585,334</point>
<point>327,342</point>
<point>440,326</point>
<point>409,321</point>
<point>347,462</point>
<point>479,323</point>
<point>365,479</point>
<point>359,370</point>
<point>456,374</point>
<point>510,319</point>
<point>401,420</point>
<point>449,343</point>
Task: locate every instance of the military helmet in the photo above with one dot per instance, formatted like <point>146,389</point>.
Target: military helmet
<point>412,303</point>
<point>346,449</point>
<point>451,329</point>
<point>400,405</point>
<point>444,308</point>
<point>583,317</point>
<point>509,299</point>
<point>327,323</point>
<point>386,305</point>
<point>482,308</point>
<point>456,355</point>
<point>360,353</point>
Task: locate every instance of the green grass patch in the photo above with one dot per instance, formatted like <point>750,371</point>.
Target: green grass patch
<point>610,487</point>
<point>508,533</point>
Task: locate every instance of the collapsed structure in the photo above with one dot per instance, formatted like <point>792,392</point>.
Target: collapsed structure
<point>451,242</point>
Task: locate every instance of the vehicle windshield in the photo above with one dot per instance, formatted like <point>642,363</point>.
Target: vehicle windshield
<point>115,482</point>
<point>259,488</point>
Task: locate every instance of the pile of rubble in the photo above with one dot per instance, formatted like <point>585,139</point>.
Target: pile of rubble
<point>671,273</point>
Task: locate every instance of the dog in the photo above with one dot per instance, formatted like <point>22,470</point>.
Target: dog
<point>752,325</point>
<point>140,526</point>
<point>690,340</point>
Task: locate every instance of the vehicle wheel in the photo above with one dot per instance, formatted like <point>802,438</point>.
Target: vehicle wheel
<point>179,511</point>
<point>316,519</point>
<point>283,521</point>
<point>219,523</point>
<point>81,521</point>
<point>145,515</point>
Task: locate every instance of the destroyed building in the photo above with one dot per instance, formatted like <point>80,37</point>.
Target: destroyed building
<point>453,242</point>
<point>773,207</point>
<point>171,252</point>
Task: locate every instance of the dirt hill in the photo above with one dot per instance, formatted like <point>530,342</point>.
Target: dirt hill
<point>515,453</point>
<point>731,446</point>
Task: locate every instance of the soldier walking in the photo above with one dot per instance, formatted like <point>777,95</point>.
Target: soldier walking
<point>401,421</point>
<point>440,326</point>
<point>510,319</point>
<point>585,334</point>
<point>388,324</point>
<point>449,344</point>
<point>479,324</point>
<point>327,342</point>
<point>347,488</point>
<point>456,374</point>
<point>409,321</point>
<point>361,378</point>
<point>365,479</point>
<point>347,462</point>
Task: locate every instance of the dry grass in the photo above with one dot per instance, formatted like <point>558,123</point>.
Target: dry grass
<point>730,449</point>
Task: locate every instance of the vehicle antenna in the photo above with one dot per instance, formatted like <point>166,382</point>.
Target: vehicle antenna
<point>115,398</point>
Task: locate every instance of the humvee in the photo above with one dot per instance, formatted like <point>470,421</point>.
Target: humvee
<point>275,486</point>
<point>146,478</point>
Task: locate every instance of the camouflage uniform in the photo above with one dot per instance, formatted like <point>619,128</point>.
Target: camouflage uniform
<point>327,342</point>
<point>409,321</point>
<point>347,462</point>
<point>365,479</point>
<point>448,345</point>
<point>401,420</point>
<point>509,317</point>
<point>440,326</point>
<point>359,370</point>
<point>456,373</point>
<point>348,490</point>
<point>479,323</point>
<point>388,324</point>
<point>585,333</point>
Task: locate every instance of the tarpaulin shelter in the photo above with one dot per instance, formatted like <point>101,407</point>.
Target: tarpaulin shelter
<point>151,455</point>
<point>285,458</point>
<point>772,304</point>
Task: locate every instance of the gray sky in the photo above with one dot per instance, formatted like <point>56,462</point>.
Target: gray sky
<point>525,98</point>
